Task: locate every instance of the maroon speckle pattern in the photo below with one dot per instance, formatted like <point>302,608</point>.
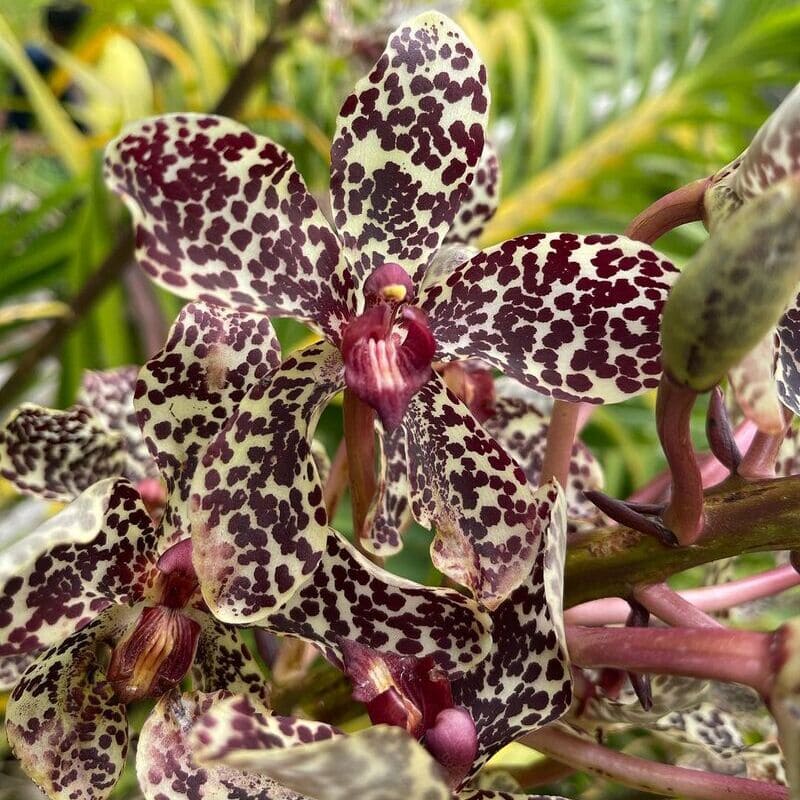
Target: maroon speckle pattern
<point>348,597</point>
<point>258,519</point>
<point>223,216</point>
<point>99,550</point>
<point>188,391</point>
<point>406,146</point>
<point>575,317</point>
<point>787,373</point>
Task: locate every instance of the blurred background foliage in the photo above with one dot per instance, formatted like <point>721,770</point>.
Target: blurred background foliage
<point>599,107</point>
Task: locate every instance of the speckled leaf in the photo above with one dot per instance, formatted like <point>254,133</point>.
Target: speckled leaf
<point>258,518</point>
<point>223,216</point>
<point>521,428</point>
<point>390,513</point>
<point>406,146</point>
<point>96,551</point>
<point>64,722</point>
<point>787,368</point>
<point>189,390</point>
<point>57,454</point>
<point>348,597</point>
<point>223,661</point>
<point>774,151</point>
<point>167,770</point>
<point>379,763</point>
<point>467,487</point>
<point>753,383</point>
<point>524,683</point>
<point>788,461</point>
<point>575,317</point>
<point>480,200</point>
<point>109,393</point>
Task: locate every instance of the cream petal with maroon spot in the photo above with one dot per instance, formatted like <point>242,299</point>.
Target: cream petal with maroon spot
<point>109,393</point>
<point>257,514</point>
<point>223,216</point>
<point>97,551</point>
<point>348,597</point>
<point>575,317</point>
<point>774,151</point>
<point>787,369</point>
<point>525,681</point>
<point>58,454</point>
<point>407,142</point>
<point>466,487</point>
<point>189,390</point>
<point>166,766</point>
<point>479,202</point>
<point>64,723</point>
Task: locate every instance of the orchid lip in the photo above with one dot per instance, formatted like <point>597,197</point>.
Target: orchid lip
<point>154,655</point>
<point>387,354</point>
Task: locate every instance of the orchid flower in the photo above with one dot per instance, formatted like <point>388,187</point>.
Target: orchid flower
<point>101,572</point>
<point>461,717</point>
<point>222,215</point>
<point>695,719</point>
<point>57,454</point>
<point>769,376</point>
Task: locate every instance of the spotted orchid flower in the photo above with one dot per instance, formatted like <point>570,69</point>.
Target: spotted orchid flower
<point>460,717</point>
<point>222,215</point>
<point>769,377</point>
<point>701,724</point>
<point>57,454</point>
<point>516,417</point>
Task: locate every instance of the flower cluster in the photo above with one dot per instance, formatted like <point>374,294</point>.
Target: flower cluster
<point>196,491</point>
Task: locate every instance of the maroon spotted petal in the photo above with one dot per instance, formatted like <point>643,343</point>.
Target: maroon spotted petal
<point>787,372</point>
<point>774,151</point>
<point>754,384</point>
<point>109,393</point>
<point>189,390</point>
<point>379,763</point>
<point>348,597</point>
<point>165,762</point>
<point>466,487</point>
<point>258,518</point>
<point>407,142</point>
<point>64,723</point>
<point>223,661</point>
<point>575,317</point>
<point>480,200</point>
<point>99,550</point>
<point>13,667</point>
<point>223,216</point>
<point>57,454</point>
<point>525,682</point>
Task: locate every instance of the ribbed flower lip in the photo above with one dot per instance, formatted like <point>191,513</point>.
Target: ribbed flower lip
<point>387,353</point>
<point>154,655</point>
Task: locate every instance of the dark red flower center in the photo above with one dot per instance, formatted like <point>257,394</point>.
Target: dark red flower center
<point>414,694</point>
<point>388,350</point>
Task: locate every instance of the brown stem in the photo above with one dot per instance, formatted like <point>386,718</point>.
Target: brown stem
<point>121,254</point>
<point>560,439</point>
<point>720,654</point>
<point>337,481</point>
<point>359,437</point>
<point>648,776</point>
<point>708,599</point>
<point>674,209</point>
<point>684,514</point>
<point>666,604</point>
<point>758,462</point>
<point>150,320</point>
<point>750,518</point>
